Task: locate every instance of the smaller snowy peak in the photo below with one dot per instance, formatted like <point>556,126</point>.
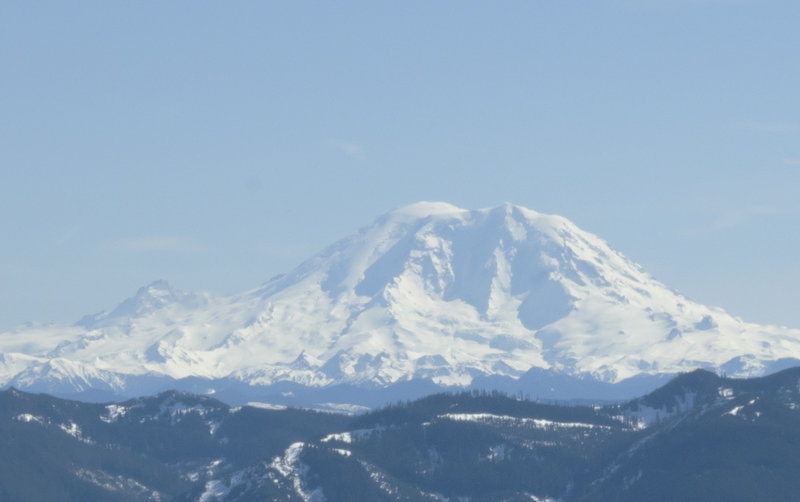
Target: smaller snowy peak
<point>65,376</point>
<point>149,299</point>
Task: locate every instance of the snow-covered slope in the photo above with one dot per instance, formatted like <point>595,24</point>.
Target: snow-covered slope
<point>426,292</point>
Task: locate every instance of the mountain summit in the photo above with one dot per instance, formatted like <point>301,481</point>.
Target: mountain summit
<point>426,293</point>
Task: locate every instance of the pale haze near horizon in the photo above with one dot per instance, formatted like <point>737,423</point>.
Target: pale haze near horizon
<point>217,145</point>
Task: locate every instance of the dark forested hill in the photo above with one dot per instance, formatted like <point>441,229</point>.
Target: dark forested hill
<point>700,437</point>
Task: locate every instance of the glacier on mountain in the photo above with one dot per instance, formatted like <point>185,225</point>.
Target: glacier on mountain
<point>504,297</point>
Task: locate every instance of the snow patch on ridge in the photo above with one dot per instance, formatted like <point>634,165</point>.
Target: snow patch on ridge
<point>538,423</point>
<point>28,418</point>
<point>293,469</point>
<point>113,413</point>
<point>75,431</point>
<point>119,484</point>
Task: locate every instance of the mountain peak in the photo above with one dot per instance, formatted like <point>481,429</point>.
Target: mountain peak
<point>506,215</point>
<point>423,209</point>
<point>157,287</point>
<point>510,208</point>
<point>147,300</point>
<point>428,291</point>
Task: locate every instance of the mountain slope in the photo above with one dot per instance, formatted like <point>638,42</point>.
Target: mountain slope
<point>700,437</point>
<point>428,292</point>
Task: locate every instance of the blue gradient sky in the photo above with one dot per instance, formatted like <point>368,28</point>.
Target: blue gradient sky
<point>215,144</point>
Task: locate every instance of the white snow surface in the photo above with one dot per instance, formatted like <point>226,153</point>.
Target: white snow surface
<point>427,291</point>
<point>355,435</point>
<point>536,423</point>
<point>293,469</point>
<point>28,418</point>
<point>265,406</point>
<point>119,483</point>
<point>113,413</point>
<point>75,431</point>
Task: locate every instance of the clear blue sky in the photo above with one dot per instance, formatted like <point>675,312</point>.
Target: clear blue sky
<point>215,144</point>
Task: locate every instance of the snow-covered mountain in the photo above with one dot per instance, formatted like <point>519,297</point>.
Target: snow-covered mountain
<point>426,294</point>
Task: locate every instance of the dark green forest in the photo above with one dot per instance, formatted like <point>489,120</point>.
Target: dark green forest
<point>699,437</point>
